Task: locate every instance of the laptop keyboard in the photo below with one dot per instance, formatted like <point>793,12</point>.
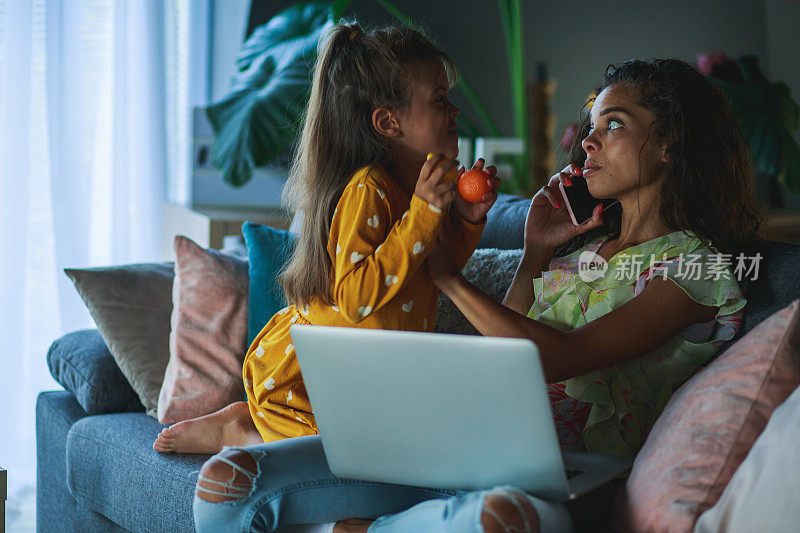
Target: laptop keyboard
<point>572,473</point>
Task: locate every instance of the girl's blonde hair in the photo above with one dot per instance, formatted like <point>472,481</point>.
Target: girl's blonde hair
<point>356,72</point>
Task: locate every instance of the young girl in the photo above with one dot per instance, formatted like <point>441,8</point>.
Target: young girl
<point>372,206</point>
<point>661,140</point>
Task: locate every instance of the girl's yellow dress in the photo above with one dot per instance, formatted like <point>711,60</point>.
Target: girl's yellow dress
<point>377,244</point>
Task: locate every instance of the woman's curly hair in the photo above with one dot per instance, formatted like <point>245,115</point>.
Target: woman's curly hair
<point>707,184</point>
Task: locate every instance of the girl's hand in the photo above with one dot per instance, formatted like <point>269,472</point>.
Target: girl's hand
<point>431,185</point>
<point>475,213</point>
<point>548,224</point>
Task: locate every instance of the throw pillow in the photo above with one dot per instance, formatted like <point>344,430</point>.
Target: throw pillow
<point>131,306</point>
<point>491,271</point>
<point>81,363</point>
<point>761,494</point>
<point>710,424</point>
<point>209,332</point>
<point>268,249</point>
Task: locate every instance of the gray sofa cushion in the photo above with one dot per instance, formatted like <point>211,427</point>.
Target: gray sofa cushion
<point>489,269</point>
<point>56,509</point>
<point>132,306</point>
<point>777,284</point>
<point>505,223</point>
<point>112,469</point>
<point>81,363</point>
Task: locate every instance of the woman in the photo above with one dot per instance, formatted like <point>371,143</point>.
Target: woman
<point>660,139</point>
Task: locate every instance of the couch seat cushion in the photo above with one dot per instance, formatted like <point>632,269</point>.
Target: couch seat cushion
<point>113,470</point>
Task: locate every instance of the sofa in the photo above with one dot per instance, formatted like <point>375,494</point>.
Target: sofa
<point>100,473</point>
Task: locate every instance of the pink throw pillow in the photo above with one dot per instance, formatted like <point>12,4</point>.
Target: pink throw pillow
<point>709,426</point>
<point>209,333</point>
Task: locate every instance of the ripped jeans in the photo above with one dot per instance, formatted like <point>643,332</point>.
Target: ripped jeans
<point>292,484</point>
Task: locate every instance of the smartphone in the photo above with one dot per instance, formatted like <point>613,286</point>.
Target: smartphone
<point>580,203</point>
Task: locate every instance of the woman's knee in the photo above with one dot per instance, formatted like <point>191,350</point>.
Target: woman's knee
<point>507,511</point>
<point>227,476</point>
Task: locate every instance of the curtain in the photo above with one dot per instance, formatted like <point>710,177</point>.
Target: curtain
<point>83,176</point>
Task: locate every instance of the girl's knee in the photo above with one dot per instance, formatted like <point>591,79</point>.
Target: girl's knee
<point>508,511</point>
<point>227,476</point>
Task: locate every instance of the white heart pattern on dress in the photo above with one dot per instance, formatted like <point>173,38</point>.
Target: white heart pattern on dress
<point>355,257</point>
<point>338,248</point>
<point>335,308</point>
<point>434,208</point>
<point>247,383</point>
<point>293,319</point>
<point>269,384</point>
<point>289,397</point>
<point>288,349</point>
<point>381,194</point>
<point>364,310</point>
<point>259,351</point>
<point>391,279</point>
<point>418,247</point>
<point>405,214</point>
<point>373,221</point>
<point>378,248</point>
<point>260,414</point>
<point>305,311</point>
<point>407,307</point>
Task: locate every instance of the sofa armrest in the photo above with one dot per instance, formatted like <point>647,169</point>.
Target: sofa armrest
<point>81,363</point>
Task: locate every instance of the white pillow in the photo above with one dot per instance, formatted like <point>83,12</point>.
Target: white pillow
<point>762,494</point>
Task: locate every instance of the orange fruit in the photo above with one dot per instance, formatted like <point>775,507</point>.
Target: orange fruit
<point>473,184</point>
<point>452,175</point>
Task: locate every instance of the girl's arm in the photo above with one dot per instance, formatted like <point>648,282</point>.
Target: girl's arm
<point>374,257</point>
<point>636,328</point>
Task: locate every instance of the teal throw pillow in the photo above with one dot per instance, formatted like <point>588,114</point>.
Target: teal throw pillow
<point>267,249</point>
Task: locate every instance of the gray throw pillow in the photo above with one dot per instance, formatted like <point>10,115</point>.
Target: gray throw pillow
<point>132,306</point>
<point>489,269</point>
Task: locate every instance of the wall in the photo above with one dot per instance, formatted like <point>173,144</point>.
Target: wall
<point>578,42</point>
<point>782,20</point>
<point>576,39</point>
<point>229,24</point>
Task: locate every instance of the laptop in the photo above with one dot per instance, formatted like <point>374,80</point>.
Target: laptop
<point>438,410</point>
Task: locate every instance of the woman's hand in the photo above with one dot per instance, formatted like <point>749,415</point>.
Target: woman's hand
<point>432,185</point>
<point>476,213</point>
<point>548,224</point>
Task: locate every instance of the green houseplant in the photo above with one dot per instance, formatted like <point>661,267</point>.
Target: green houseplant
<point>767,114</point>
<point>258,119</point>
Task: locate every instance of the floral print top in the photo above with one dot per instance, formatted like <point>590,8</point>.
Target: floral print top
<point>612,410</point>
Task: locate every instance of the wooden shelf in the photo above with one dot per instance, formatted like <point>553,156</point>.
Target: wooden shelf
<point>208,225</point>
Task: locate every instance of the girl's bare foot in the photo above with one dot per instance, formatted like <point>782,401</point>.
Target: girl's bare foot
<point>230,426</point>
<point>351,525</point>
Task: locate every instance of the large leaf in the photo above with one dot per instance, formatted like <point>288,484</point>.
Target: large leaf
<point>258,120</point>
<point>769,119</point>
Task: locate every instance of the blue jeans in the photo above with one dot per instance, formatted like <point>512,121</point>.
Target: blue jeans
<point>293,485</point>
